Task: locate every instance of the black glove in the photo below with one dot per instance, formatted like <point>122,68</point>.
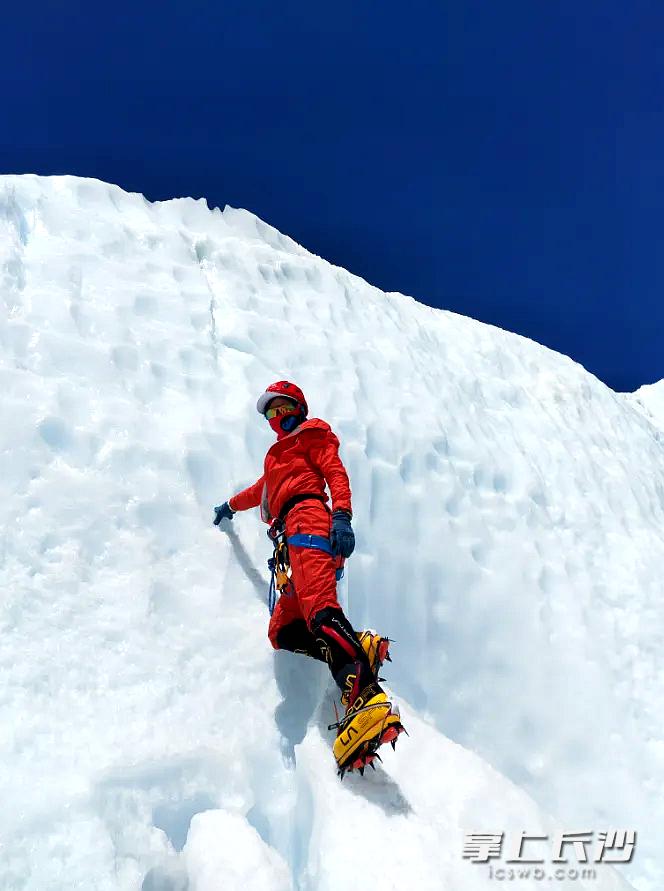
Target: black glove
<point>223,512</point>
<point>342,537</point>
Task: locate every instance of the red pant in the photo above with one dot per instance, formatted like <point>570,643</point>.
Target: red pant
<point>313,578</point>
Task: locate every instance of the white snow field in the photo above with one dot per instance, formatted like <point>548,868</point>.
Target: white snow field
<point>650,401</point>
<point>509,513</point>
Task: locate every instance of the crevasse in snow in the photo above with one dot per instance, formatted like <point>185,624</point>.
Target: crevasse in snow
<point>508,509</point>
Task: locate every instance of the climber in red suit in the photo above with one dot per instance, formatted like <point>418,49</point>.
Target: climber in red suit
<point>308,618</point>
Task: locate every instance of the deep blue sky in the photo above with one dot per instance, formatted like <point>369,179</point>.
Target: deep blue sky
<point>501,159</point>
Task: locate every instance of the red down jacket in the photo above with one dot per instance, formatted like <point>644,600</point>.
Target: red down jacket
<point>301,461</point>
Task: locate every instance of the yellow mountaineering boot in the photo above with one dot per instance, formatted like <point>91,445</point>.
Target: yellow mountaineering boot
<point>355,659</point>
<point>376,648</point>
<point>370,720</point>
<point>377,651</point>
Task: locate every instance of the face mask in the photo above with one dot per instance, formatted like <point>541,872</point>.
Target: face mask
<point>283,424</point>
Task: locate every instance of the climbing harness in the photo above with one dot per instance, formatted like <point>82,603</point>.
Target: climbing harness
<point>279,562</point>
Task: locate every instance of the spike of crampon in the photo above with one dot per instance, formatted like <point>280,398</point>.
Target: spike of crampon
<point>390,735</point>
<point>383,650</point>
<point>369,750</point>
<point>359,763</point>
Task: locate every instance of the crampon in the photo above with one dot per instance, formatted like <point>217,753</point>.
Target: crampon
<point>377,649</point>
<point>358,755</point>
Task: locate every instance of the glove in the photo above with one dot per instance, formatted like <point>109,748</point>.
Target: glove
<point>223,512</point>
<point>342,537</point>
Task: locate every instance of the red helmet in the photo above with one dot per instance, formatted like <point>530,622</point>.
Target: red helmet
<point>282,388</point>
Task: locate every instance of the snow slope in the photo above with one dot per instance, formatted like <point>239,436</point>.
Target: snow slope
<point>509,512</point>
<point>650,401</point>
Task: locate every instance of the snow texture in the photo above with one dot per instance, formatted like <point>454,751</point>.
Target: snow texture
<point>509,513</point>
<point>650,401</point>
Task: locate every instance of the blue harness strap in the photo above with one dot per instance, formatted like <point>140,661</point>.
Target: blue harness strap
<point>317,542</point>
<point>300,540</point>
<point>304,540</point>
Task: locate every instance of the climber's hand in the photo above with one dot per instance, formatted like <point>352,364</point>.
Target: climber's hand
<point>223,512</point>
<point>342,537</point>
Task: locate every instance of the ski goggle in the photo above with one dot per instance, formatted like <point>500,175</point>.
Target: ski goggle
<point>278,411</point>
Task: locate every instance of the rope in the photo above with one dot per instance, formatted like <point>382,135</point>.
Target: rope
<point>272,593</point>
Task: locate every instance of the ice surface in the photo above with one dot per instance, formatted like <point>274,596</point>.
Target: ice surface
<point>509,513</point>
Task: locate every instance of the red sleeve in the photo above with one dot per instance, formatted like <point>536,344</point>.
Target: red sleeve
<point>324,455</point>
<point>249,497</point>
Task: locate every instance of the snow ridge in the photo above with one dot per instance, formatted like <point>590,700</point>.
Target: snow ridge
<point>649,400</point>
